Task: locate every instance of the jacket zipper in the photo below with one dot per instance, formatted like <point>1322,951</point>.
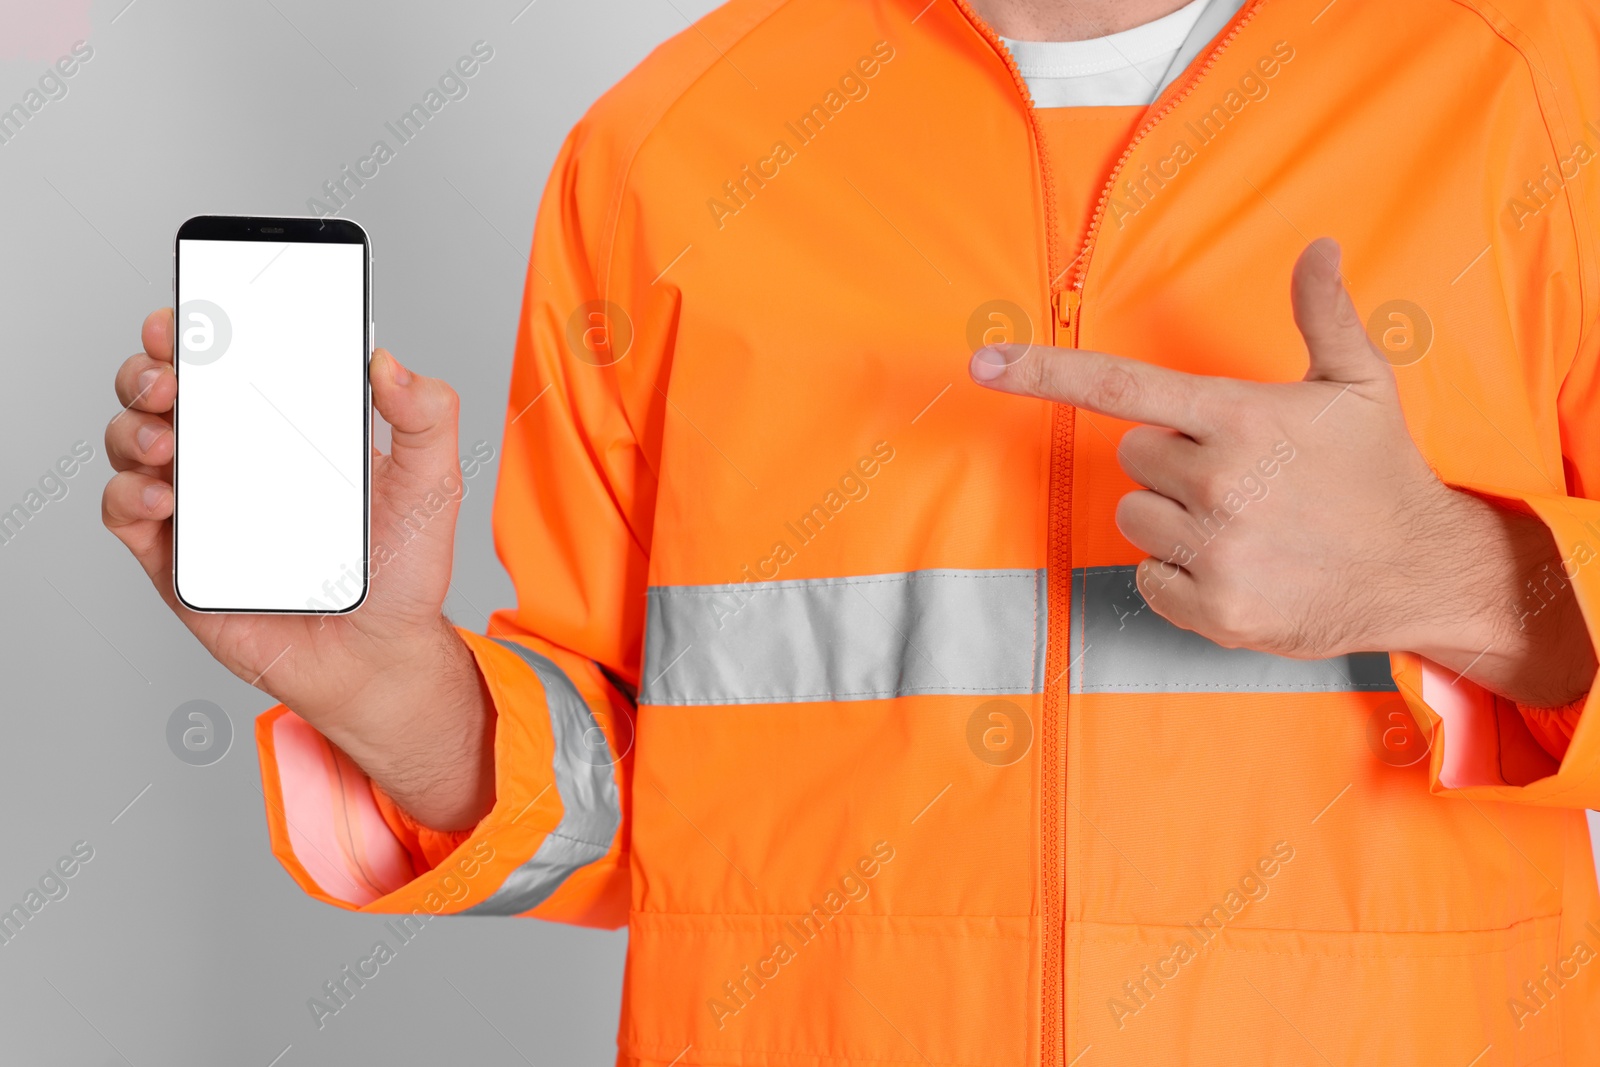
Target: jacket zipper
<point>1058,578</point>
<point>1069,323</point>
<point>1241,19</point>
<point>1066,302</point>
<point>1066,322</point>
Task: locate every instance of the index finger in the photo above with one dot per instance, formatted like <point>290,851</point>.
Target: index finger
<point>157,335</point>
<point>1122,388</point>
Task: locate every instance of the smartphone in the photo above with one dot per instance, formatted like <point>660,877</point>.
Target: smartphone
<point>272,473</point>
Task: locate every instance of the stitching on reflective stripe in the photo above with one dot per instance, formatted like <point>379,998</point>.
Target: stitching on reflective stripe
<point>579,840</point>
<point>870,694</point>
<point>1033,649</point>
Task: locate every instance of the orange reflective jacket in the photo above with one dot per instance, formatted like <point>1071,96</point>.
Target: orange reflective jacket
<point>826,674</point>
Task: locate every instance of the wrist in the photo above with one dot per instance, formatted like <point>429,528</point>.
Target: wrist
<point>377,672</point>
<point>412,665</point>
<point>422,728</point>
<point>1459,570</point>
<point>1488,598</point>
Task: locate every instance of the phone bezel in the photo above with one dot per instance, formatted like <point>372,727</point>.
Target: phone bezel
<point>292,229</point>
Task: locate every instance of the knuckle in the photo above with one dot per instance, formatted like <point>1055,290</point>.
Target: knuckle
<point>114,500</point>
<point>157,326</point>
<point>1142,456</point>
<point>1179,555</point>
<point>1226,557</point>
<point>1130,449</point>
<point>122,437</point>
<point>447,411</point>
<point>1212,486</point>
<point>1232,620</point>
<point>1170,607</point>
<point>1111,387</point>
<point>1239,410</point>
<point>1127,512</point>
<point>1150,583</point>
<point>1029,369</point>
<point>1132,522</point>
<point>122,381</point>
<point>1225,405</point>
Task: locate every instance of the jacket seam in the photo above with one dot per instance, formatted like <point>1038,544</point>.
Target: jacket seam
<point>625,176</point>
<point>1291,931</point>
<point>1304,954</point>
<point>847,919</point>
<point>1554,127</point>
<point>605,267</point>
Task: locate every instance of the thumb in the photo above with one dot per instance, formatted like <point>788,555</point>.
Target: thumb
<point>421,411</point>
<point>1326,316</point>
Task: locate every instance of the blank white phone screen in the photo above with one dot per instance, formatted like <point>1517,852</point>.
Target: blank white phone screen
<point>271,426</point>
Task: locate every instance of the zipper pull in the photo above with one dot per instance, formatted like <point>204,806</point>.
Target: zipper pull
<point>1067,301</point>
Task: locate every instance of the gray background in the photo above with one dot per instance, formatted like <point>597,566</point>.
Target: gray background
<point>183,941</point>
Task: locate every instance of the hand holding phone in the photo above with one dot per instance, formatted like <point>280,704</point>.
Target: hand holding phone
<point>316,663</point>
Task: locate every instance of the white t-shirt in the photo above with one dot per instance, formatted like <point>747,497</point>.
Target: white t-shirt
<point>1131,67</point>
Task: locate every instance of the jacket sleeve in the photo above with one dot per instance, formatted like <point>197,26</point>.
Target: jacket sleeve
<point>1484,745</point>
<point>572,518</point>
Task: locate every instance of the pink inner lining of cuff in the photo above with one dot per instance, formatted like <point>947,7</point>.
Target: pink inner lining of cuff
<point>334,826</point>
<point>1471,742</point>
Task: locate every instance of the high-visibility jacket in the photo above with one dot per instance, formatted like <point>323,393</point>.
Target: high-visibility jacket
<point>826,675</point>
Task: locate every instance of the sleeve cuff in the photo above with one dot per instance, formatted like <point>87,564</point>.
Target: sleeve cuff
<point>1484,745</point>
<point>347,844</point>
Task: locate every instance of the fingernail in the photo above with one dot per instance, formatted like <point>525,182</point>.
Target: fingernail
<point>987,364</point>
<point>147,436</point>
<point>148,379</point>
<point>153,496</point>
<point>401,375</point>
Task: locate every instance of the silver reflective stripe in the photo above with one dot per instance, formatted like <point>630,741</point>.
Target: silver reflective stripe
<point>863,638</point>
<point>1120,645</point>
<point>947,631</point>
<point>588,791</point>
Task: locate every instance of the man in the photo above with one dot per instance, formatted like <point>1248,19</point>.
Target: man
<point>967,612</point>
